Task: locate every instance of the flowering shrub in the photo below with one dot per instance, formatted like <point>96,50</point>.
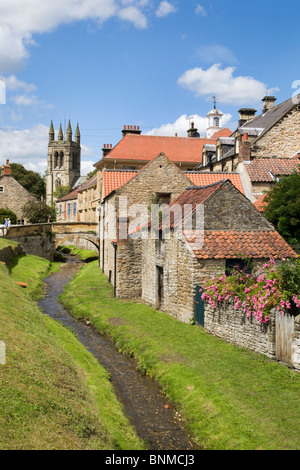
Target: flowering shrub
<point>258,293</point>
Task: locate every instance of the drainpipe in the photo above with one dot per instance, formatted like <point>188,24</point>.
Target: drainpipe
<point>115,269</point>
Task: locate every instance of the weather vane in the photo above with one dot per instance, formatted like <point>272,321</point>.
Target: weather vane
<point>215,102</point>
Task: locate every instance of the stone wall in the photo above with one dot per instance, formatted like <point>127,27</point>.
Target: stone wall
<point>234,326</point>
<point>14,197</point>
<point>282,140</point>
<point>35,240</point>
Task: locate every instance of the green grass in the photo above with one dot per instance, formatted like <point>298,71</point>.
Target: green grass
<point>54,395</point>
<point>231,398</point>
<point>85,255</point>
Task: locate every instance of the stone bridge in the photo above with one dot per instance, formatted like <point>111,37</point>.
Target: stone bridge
<point>43,239</point>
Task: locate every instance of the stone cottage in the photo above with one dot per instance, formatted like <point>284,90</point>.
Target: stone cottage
<point>12,195</point>
<point>209,229</point>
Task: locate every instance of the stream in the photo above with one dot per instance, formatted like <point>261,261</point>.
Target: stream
<point>154,418</point>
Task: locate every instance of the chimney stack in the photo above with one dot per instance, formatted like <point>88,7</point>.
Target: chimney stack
<point>268,103</point>
<point>6,170</point>
<point>246,114</point>
<point>106,149</point>
<point>193,132</point>
<point>131,130</point>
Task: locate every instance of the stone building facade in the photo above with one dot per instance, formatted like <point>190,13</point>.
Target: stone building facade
<point>166,271</point>
<point>12,195</point>
<point>272,136</point>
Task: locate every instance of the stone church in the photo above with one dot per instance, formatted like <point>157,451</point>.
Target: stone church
<point>64,161</point>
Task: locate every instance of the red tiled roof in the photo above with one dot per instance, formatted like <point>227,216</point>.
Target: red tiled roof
<point>233,244</point>
<point>260,203</point>
<point>114,179</point>
<point>260,168</point>
<point>69,197</point>
<point>147,147</point>
<point>210,177</point>
<point>222,133</point>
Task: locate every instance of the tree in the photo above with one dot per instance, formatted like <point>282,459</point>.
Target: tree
<point>30,180</point>
<point>7,214</point>
<point>283,207</point>
<point>37,213</point>
<point>61,191</point>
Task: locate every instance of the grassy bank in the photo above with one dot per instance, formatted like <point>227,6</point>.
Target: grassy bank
<point>53,393</point>
<point>85,255</point>
<point>230,397</point>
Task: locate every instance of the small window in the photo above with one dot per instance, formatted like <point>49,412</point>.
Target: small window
<point>241,264</point>
<point>216,122</point>
<point>69,209</point>
<point>164,198</point>
<point>74,208</point>
<point>1,189</point>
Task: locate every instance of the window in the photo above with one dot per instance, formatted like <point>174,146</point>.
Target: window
<point>216,122</point>
<point>74,208</point>
<point>60,209</point>
<point>69,209</point>
<point>164,198</point>
<point>241,264</point>
<point>1,189</point>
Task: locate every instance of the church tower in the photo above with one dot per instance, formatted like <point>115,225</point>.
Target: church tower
<point>63,167</point>
<point>214,120</point>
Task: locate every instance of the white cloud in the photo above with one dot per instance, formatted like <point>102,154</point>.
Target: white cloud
<point>216,53</point>
<point>20,21</point>
<point>200,10</point>
<point>30,148</point>
<point>134,15</point>
<point>164,9</point>
<point>13,83</point>
<point>30,100</point>
<point>223,84</point>
<point>182,124</point>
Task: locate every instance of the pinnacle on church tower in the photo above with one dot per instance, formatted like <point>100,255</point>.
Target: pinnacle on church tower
<point>51,132</point>
<point>60,133</point>
<point>77,135</point>
<point>69,132</point>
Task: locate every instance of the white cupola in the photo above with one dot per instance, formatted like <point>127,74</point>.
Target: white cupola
<point>214,120</point>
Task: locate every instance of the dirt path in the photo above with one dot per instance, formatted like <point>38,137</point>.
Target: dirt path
<point>148,410</point>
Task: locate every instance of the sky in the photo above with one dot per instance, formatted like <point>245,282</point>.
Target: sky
<point>157,64</point>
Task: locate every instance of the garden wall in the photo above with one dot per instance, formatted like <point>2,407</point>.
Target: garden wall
<point>233,326</point>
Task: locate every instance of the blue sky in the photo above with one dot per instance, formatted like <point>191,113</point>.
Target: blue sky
<point>152,63</point>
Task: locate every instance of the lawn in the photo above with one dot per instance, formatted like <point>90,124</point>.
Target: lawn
<point>232,399</point>
<point>54,395</point>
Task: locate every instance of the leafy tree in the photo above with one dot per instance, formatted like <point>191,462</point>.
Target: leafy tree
<point>61,191</point>
<point>37,212</point>
<point>30,180</point>
<point>7,214</point>
<point>283,207</point>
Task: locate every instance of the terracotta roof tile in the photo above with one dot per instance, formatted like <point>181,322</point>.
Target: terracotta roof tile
<point>114,179</point>
<point>147,147</point>
<point>262,169</point>
<point>260,203</point>
<point>234,244</point>
<point>210,177</point>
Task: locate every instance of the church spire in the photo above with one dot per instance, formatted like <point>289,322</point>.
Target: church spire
<point>77,135</point>
<point>51,132</point>
<point>60,133</point>
<point>69,132</point>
